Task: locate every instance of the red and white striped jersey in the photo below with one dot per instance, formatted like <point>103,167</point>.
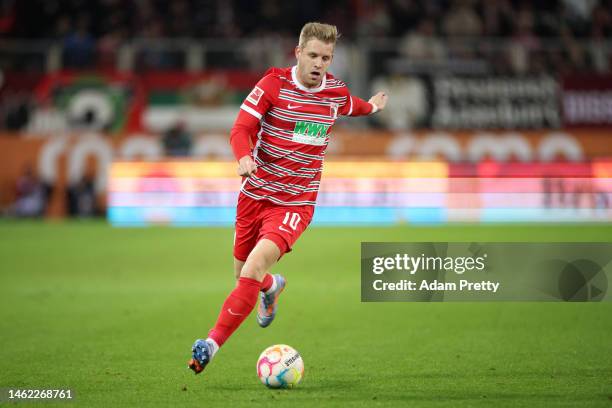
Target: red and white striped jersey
<point>293,133</point>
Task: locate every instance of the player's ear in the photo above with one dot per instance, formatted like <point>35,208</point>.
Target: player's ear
<point>298,51</point>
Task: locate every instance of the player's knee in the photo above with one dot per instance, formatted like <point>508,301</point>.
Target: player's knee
<point>254,269</point>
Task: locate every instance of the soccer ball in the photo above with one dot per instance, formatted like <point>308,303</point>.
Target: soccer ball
<point>280,366</point>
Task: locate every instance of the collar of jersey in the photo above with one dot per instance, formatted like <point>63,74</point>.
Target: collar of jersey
<point>302,87</point>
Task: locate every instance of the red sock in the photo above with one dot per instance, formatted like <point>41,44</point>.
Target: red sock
<point>266,283</point>
<point>236,308</point>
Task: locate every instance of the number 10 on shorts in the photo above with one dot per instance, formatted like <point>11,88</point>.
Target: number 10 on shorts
<point>292,219</point>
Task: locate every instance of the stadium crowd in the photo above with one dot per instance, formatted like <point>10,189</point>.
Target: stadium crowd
<point>235,18</point>
<point>90,29</point>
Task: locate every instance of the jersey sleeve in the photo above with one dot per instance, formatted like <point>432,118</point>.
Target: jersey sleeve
<point>257,103</point>
<point>242,134</point>
<point>263,96</point>
<point>355,106</point>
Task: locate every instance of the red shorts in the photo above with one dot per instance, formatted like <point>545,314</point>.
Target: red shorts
<point>257,219</point>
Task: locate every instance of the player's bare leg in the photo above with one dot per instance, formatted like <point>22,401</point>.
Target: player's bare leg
<point>238,304</point>
<point>238,264</point>
<point>268,283</point>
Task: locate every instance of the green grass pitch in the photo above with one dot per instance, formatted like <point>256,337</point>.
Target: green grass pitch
<point>112,314</point>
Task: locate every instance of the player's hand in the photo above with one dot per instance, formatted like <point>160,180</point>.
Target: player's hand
<point>246,166</point>
<point>380,100</point>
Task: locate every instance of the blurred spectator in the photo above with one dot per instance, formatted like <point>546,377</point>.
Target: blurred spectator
<point>524,41</point>
<point>62,28</point>
<point>409,102</point>
<point>8,16</point>
<point>498,18</point>
<point>30,196</point>
<point>144,12</point>
<point>16,110</point>
<point>79,45</point>
<point>575,52</point>
<point>462,20</point>
<point>114,33</point>
<point>405,15</point>
<point>579,10</point>
<point>602,20</point>
<point>422,44</point>
<point>601,31</point>
<point>81,198</point>
<point>108,47</point>
<point>180,21</point>
<point>373,19</point>
<point>153,56</point>
<point>177,141</point>
<point>17,103</point>
<point>341,67</point>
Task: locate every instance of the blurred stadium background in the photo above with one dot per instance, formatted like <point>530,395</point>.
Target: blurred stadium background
<point>499,111</point>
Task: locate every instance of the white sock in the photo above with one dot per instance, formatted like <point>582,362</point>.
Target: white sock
<point>215,346</point>
<point>272,287</point>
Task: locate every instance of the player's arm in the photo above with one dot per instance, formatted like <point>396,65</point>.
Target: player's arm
<point>240,139</point>
<point>254,107</point>
<point>356,106</point>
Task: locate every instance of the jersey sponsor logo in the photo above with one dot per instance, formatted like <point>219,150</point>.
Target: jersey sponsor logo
<point>310,133</point>
<point>290,106</point>
<point>255,95</point>
<point>333,110</point>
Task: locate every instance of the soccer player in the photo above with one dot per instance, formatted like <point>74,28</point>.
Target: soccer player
<point>279,140</point>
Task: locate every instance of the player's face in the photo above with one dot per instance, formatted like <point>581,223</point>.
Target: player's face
<point>313,60</point>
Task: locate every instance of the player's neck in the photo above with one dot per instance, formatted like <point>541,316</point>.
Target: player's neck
<point>301,81</point>
<point>302,85</point>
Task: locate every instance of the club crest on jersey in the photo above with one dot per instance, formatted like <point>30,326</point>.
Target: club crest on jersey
<point>310,133</point>
<point>255,95</point>
<point>333,110</point>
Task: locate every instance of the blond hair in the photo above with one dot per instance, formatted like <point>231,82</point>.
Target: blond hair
<point>326,33</point>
